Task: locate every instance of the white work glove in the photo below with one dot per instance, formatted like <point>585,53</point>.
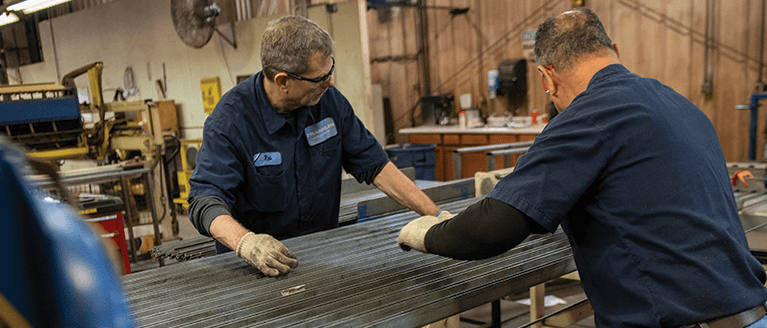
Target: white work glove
<point>413,234</point>
<point>265,253</point>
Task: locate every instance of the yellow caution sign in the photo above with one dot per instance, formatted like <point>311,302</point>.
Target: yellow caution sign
<point>211,93</point>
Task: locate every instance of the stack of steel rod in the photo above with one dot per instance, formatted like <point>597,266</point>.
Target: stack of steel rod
<point>352,276</point>
<point>184,250</point>
<point>352,197</point>
<point>441,193</point>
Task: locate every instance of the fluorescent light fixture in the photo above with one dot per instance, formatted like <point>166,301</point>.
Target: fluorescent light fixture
<point>8,18</point>
<point>30,6</point>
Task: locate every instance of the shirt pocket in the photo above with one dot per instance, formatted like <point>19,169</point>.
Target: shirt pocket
<point>326,156</point>
<point>330,147</point>
<point>269,189</point>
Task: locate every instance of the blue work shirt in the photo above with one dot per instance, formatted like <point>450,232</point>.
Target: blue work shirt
<point>281,176</point>
<point>635,175</point>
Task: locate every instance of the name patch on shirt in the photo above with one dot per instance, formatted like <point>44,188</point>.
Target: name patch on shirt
<point>317,133</point>
<point>266,159</point>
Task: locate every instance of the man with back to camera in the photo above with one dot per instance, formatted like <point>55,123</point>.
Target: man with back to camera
<point>269,167</point>
<point>635,175</point>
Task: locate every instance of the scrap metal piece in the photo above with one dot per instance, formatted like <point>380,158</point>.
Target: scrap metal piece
<point>293,290</point>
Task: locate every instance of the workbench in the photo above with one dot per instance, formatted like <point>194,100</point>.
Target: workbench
<point>352,276</point>
<point>449,138</point>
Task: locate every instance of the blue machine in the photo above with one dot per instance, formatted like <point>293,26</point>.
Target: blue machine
<point>39,110</point>
<point>49,123</point>
<point>55,272</point>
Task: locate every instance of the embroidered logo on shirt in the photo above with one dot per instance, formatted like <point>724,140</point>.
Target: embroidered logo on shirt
<point>317,133</point>
<point>266,159</point>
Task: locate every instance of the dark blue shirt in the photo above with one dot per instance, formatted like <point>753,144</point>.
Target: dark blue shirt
<point>635,175</point>
<point>277,175</point>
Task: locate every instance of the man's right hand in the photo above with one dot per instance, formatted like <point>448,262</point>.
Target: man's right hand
<point>265,253</point>
<point>413,234</point>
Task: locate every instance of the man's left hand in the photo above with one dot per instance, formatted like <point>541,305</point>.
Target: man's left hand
<point>413,234</point>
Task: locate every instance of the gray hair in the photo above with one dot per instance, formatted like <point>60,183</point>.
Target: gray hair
<point>561,41</point>
<point>288,44</point>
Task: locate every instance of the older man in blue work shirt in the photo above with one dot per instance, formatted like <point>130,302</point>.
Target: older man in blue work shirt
<point>635,175</point>
<point>270,164</point>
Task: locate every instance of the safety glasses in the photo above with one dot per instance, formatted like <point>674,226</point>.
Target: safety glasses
<point>315,80</point>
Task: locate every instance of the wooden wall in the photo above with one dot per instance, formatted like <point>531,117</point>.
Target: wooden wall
<point>661,39</point>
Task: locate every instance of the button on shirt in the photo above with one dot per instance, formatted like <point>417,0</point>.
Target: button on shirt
<point>635,175</point>
<point>277,175</point>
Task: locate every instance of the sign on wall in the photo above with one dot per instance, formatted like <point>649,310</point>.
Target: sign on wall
<point>211,93</point>
<point>528,44</point>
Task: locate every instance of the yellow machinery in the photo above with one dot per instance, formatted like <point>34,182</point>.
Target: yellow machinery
<point>48,120</point>
<point>188,153</point>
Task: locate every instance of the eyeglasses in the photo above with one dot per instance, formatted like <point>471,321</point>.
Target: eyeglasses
<point>315,80</point>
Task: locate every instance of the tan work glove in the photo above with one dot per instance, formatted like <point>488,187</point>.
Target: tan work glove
<point>265,253</point>
<point>413,234</point>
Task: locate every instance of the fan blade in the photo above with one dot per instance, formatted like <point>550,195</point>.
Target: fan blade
<point>190,21</point>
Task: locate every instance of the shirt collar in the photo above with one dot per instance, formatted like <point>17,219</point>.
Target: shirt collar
<point>606,72</point>
<point>273,121</point>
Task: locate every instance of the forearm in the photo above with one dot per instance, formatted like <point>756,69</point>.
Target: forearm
<point>485,229</point>
<point>262,251</point>
<point>392,182</point>
<point>204,209</point>
<point>227,230</point>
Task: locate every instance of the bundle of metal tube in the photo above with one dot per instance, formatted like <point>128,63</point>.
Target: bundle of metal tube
<point>375,202</point>
<point>205,246</point>
<point>352,276</point>
<point>188,249</point>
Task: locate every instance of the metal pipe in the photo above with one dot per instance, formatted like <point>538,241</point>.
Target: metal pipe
<point>152,209</point>
<point>129,217</point>
<point>456,189</point>
<point>352,276</point>
<point>88,178</point>
<point>84,172</point>
<point>493,147</point>
<point>490,160</point>
<point>457,160</point>
<point>457,165</point>
<point>423,45</point>
<point>512,151</point>
<point>708,88</point>
<point>372,205</point>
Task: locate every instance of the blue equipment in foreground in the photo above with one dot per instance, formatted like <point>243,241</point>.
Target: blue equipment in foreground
<point>55,272</point>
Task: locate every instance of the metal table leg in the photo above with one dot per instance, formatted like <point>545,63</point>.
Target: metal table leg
<point>496,313</point>
<point>155,222</point>
<point>129,217</point>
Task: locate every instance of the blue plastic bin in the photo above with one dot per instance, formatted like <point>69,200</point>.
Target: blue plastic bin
<point>420,157</point>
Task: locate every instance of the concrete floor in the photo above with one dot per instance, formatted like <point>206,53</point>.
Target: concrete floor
<point>185,228</point>
<point>514,313</point>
